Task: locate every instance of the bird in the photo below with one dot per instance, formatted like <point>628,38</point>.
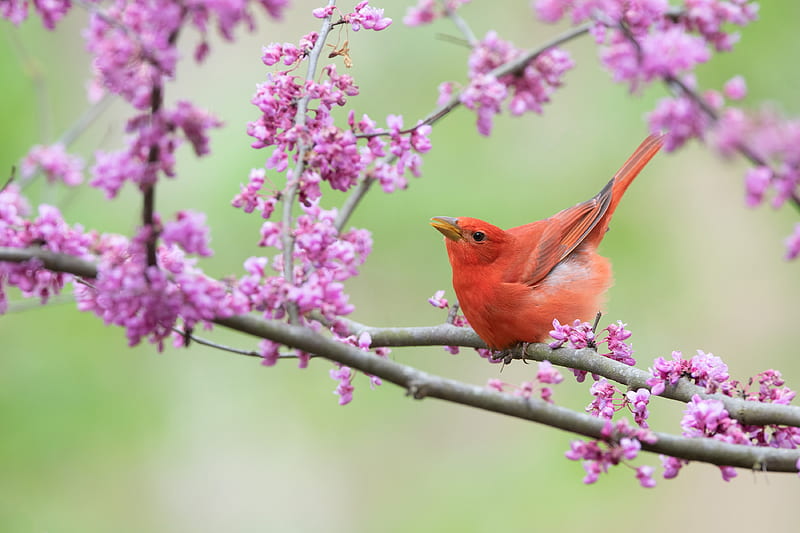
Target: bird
<point>512,284</point>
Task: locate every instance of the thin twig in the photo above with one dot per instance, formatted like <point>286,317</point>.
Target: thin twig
<point>11,177</point>
<point>86,119</point>
<point>293,181</point>
<point>462,25</point>
<point>35,72</point>
<point>452,313</point>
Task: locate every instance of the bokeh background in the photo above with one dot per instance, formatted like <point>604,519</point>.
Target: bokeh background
<point>100,437</point>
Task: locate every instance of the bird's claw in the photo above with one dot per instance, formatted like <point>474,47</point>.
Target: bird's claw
<point>508,354</point>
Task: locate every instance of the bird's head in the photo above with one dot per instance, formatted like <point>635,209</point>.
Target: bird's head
<point>469,240</point>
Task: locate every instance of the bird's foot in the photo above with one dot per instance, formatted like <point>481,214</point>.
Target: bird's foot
<point>505,356</point>
<point>509,354</point>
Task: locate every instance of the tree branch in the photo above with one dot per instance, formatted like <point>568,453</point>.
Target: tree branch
<point>420,384</point>
<point>293,181</point>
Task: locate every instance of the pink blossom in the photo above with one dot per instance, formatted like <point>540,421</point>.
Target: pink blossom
<point>189,232</point>
<point>527,90</point>
<point>615,340</point>
<point>15,11</point>
<point>344,390</point>
<point>425,12</point>
<point>672,465</point>
<point>55,163</point>
<point>620,443</point>
<point>149,301</point>
<point>757,181</point>
<point>709,371</point>
<point>495,384</point>
<point>195,123</point>
<point>638,402</point>
<point>578,335</point>
<point>367,17</point>
<point>550,10</point>
<point>728,472</point>
<point>645,476</point>
<point>51,11</point>
<point>793,243</point>
<point>48,231</point>
<point>735,88</point>
<point>269,351</point>
<point>323,12</point>
<point>681,118</point>
<point>603,404</point>
<point>438,300</point>
<point>670,52</point>
<point>547,373</point>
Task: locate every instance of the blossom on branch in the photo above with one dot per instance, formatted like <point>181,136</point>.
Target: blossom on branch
<point>55,163</point>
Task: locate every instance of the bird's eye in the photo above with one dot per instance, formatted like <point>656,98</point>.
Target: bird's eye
<point>479,236</point>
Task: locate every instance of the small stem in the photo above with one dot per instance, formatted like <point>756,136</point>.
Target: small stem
<point>452,313</point>
<point>149,190</point>
<point>293,181</point>
<point>86,119</point>
<point>462,25</point>
<point>11,177</point>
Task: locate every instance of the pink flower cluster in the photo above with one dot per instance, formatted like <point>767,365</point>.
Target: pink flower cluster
<point>580,335</point>
<point>47,231</point>
<point>667,42</point>
<point>335,156</point>
<point>190,232</point>
<point>55,163</point>
<point>148,301</point>
<point>50,11</point>
<point>363,16</point>
<point>709,419</point>
<point>426,11</point>
<point>705,369</point>
<point>153,140</point>
<point>344,374</point>
<point>605,402</point>
<point>774,140</point>
<point>525,91</point>
<point>323,260</point>
<point>134,43</point>
<point>577,335</point>
<point>620,442</point>
<point>545,375</point>
<point>644,41</point>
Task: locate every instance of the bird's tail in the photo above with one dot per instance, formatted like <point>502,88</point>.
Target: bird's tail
<point>635,163</point>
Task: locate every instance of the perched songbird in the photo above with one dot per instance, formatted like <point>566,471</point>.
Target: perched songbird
<point>511,284</point>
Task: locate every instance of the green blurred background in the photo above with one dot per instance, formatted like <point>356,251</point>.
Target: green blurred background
<point>100,437</point>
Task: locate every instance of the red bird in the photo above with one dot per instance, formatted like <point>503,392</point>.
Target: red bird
<point>512,284</point>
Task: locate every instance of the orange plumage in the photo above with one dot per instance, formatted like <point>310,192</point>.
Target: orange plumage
<point>511,284</point>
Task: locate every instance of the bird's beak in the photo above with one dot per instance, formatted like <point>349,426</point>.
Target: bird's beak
<point>447,226</point>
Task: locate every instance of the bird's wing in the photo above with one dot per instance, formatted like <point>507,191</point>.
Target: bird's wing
<point>563,232</point>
